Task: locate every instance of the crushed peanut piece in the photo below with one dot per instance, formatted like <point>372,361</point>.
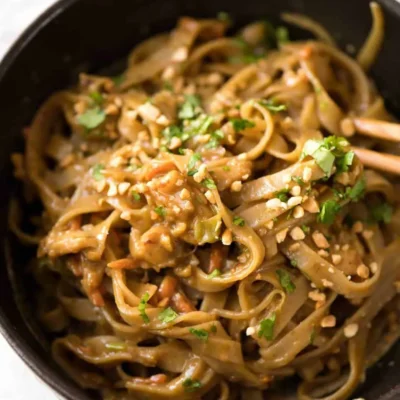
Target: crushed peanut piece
<point>350,330</point>
<point>281,235</point>
<point>328,322</point>
<point>123,187</point>
<point>297,233</point>
<point>307,174</point>
<point>373,267</point>
<point>336,259</point>
<point>298,212</point>
<point>363,271</point>
<point>236,186</point>
<point>311,205</point>
<point>320,240</point>
<point>296,190</point>
<point>226,237</point>
<point>294,201</point>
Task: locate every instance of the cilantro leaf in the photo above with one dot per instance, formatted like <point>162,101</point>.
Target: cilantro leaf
<point>306,229</point>
<point>201,334</point>
<point>298,180</point>
<point>190,107</point>
<point>142,307</point>
<point>240,124</point>
<point>97,97</point>
<point>135,195</point>
<point>160,211</point>
<point>97,172</point>
<point>215,139</point>
<point>224,17</point>
<point>192,163</point>
<point>191,385</point>
<point>358,190</point>
<point>273,106</point>
<point>238,221</point>
<point>328,151</point>
<point>209,183</point>
<point>267,327</point>
<point>329,210</point>
<point>282,35</point>
<point>283,195</point>
<point>214,274</point>
<point>344,163</point>
<point>285,281</point>
<point>92,118</point>
<point>167,315</point>
<point>382,213</point>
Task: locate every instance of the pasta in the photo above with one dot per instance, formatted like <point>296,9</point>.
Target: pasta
<point>219,218</point>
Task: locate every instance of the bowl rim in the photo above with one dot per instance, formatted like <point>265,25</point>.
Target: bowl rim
<point>42,370</point>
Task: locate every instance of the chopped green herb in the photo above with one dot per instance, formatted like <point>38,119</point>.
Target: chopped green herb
<point>282,35</point>
<point>118,79</point>
<point>192,163</point>
<point>344,163</point>
<point>167,315</point>
<point>224,17</point>
<point>226,168</point>
<point>97,172</point>
<point>382,213</point>
<point>238,221</point>
<point>168,86</point>
<point>313,335</point>
<point>328,151</point>
<point>97,97</point>
<point>290,214</point>
<point>201,334</point>
<point>283,195</point>
<point>117,346</point>
<point>213,329</point>
<point>214,274</point>
<point>209,183</point>
<point>329,210</point>
<point>191,385</point>
<point>267,327</point>
<point>172,131</point>
<point>286,281</point>
<point>160,211</point>
<point>306,229</point>
<point>92,118</point>
<point>181,151</point>
<point>273,106</point>
<point>142,307</point>
<point>358,190</point>
<point>298,180</point>
<point>190,108</point>
<point>293,263</point>
<point>135,195</point>
<point>215,139</point>
<point>240,124</point>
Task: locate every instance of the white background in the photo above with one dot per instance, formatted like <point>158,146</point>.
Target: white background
<point>18,382</point>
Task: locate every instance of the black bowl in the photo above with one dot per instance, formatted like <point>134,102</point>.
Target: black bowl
<point>86,35</point>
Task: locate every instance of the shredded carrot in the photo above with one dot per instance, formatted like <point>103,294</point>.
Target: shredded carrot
<point>181,303</point>
<point>217,256</point>
<point>160,169</point>
<point>123,263</point>
<point>96,298</point>
<point>167,287</point>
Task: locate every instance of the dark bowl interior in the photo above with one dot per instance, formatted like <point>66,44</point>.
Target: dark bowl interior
<point>86,35</point>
